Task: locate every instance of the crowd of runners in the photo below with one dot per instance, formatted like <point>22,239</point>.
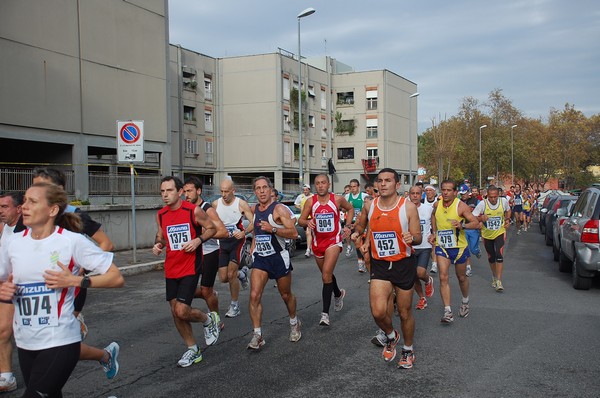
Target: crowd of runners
<point>401,241</point>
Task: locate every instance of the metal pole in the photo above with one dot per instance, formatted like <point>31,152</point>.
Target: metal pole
<point>410,145</point>
<point>133,214</point>
<point>512,156</point>
<point>481,127</point>
<point>301,165</point>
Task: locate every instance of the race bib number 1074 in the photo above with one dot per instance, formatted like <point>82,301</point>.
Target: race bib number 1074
<point>36,305</point>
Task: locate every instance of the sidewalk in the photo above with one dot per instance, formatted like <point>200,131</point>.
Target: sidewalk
<point>145,261</point>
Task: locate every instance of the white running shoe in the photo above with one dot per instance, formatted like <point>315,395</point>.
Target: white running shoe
<point>324,319</point>
<point>380,339</point>
<point>349,251</point>
<point>234,310</point>
<point>8,384</point>
<point>256,342</point>
<point>243,277</point>
<point>189,358</point>
<point>295,331</point>
<point>362,268</point>
<point>469,272</point>
<point>339,301</point>
<point>433,268</point>
<point>212,330</point>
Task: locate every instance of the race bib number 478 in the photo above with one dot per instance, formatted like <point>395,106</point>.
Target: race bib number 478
<point>36,305</point>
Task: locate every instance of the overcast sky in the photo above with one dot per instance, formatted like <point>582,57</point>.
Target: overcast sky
<point>541,53</point>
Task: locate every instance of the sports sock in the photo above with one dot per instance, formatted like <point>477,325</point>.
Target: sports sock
<point>327,292</point>
<point>193,347</point>
<point>258,331</point>
<point>336,290</point>
<point>293,321</point>
<point>465,300</point>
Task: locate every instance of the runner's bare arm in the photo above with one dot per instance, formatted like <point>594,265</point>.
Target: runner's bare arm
<point>303,221</point>
<point>414,225</point>
<point>282,216</point>
<point>159,241</point>
<point>222,232</point>
<point>361,221</point>
<point>464,211</point>
<point>248,213</point>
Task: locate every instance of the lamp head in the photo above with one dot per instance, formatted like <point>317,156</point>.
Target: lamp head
<point>306,13</point>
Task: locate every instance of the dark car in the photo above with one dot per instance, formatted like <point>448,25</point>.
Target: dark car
<point>548,202</point>
<point>560,202</point>
<point>562,215</point>
<point>580,240</point>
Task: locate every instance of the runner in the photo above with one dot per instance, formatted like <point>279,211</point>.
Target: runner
<point>451,245</point>
<point>324,223</point>
<point>471,200</point>
<point>356,199</point>
<point>179,226</point>
<point>527,205</point>
<point>393,227</point>
<point>495,216</point>
<point>192,189</point>
<point>430,198</point>
<point>231,209</point>
<point>299,204</point>
<point>41,267</point>
<point>517,207</point>
<point>423,250</point>
<point>273,224</point>
<point>10,214</point>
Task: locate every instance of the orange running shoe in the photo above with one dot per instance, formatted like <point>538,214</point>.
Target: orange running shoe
<point>389,351</point>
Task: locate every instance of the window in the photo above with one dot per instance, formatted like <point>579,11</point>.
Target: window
<point>311,121</point>
<point>286,88</point>
<point>286,121</point>
<point>311,151</point>
<point>345,98</point>
<point>345,153</point>
<point>208,124</point>
<point>372,153</point>
<point>371,100</point>
<point>371,128</point>
<point>191,147</point>
<point>297,151</point>
<point>323,156</point>
<point>311,92</point>
<point>188,113</point>
<point>208,151</point>
<point>207,88</point>
<point>287,156</point>
<point>323,100</point>
<point>189,78</point>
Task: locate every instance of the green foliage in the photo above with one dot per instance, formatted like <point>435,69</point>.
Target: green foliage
<point>564,147</point>
<point>343,126</point>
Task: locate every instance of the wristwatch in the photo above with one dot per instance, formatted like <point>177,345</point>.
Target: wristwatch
<point>274,230</point>
<point>85,282</point>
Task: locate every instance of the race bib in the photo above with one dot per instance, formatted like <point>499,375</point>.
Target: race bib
<point>518,201</point>
<point>386,243</point>
<point>263,246</point>
<point>178,235</point>
<point>494,223</point>
<point>36,305</point>
<point>446,238</point>
<point>325,222</point>
<point>422,223</point>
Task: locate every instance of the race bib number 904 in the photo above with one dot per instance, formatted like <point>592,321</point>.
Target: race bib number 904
<point>178,235</point>
<point>324,222</point>
<point>36,305</point>
<point>386,243</point>
<point>446,238</point>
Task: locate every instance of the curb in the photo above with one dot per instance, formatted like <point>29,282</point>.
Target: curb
<point>136,269</point>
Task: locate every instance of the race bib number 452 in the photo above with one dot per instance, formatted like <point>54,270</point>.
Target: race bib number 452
<point>386,243</point>
<point>178,235</point>
<point>36,305</point>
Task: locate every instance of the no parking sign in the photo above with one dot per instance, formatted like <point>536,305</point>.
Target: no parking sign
<point>130,141</point>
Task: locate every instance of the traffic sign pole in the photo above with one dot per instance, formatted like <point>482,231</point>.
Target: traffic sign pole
<point>133,214</point>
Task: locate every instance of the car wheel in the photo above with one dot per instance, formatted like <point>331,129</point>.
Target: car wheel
<point>580,282</point>
<point>555,252</point>
<point>246,255</point>
<point>542,229</point>
<point>564,265</point>
<point>547,239</point>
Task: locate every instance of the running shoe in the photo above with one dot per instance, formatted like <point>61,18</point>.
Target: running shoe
<point>111,368</point>
<point>519,232</point>
<point>339,301</point>
<point>429,287</point>
<point>7,385</point>
<point>448,317</point>
<point>324,319</point>
<point>82,326</point>
<point>211,331</point>
<point>307,253</point>
<point>499,287</point>
<point>469,272</point>
<point>295,331</point>
<point>422,304</point>
<point>349,251</point>
<point>407,360</point>
<point>189,358</point>
<point>380,339</point>
<point>256,342</point>
<point>463,311</point>
<point>389,351</point>
<point>494,281</point>
<point>234,310</point>
<point>362,268</point>
<point>478,254</point>
<point>243,277</point>
<point>433,269</point>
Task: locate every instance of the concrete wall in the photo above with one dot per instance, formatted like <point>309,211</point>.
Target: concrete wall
<point>116,221</point>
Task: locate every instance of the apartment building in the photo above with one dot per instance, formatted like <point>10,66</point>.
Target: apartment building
<point>69,71</point>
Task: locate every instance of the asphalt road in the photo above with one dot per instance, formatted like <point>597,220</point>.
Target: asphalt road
<point>539,338</point>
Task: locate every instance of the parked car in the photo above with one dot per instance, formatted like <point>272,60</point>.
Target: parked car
<point>562,215</point>
<point>561,202</point>
<point>548,202</point>
<point>580,240</point>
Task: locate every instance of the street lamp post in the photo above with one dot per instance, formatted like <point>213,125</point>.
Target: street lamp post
<point>305,13</point>
<point>480,128</point>
<point>410,168</point>
<point>512,155</point>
